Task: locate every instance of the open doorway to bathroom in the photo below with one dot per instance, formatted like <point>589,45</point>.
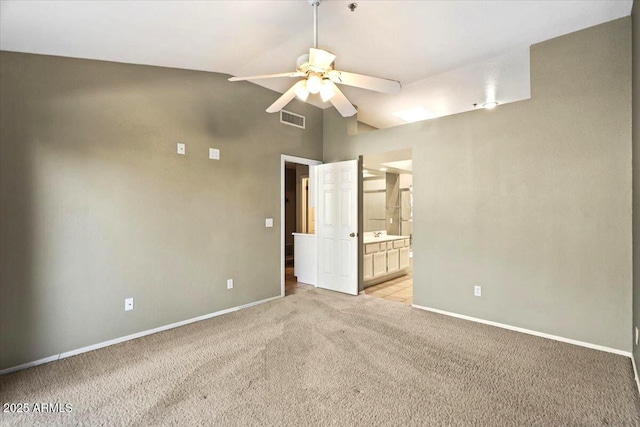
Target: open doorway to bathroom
<point>387,217</point>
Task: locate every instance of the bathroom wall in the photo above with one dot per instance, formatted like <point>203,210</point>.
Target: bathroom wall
<point>374,204</point>
<point>392,211</point>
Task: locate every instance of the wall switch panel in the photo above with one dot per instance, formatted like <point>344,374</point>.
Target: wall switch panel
<point>214,154</point>
<point>268,222</point>
<point>230,284</point>
<point>128,304</point>
<point>182,149</point>
<point>477,291</point>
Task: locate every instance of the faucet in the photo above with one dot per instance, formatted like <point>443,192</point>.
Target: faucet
<point>377,233</point>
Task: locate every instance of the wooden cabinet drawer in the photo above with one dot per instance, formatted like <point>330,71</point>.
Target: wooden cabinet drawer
<point>398,244</point>
<point>370,248</point>
<point>407,242</point>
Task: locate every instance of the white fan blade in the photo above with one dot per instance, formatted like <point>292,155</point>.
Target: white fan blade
<point>267,76</point>
<point>366,82</point>
<point>320,59</point>
<point>284,99</point>
<point>342,104</point>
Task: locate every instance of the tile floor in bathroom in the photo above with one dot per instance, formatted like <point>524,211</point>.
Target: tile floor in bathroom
<point>399,289</point>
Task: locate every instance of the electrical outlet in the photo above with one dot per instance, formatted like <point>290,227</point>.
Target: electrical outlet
<point>230,284</point>
<point>268,222</point>
<point>637,335</point>
<point>477,291</point>
<point>182,149</point>
<point>128,304</point>
<point>214,154</point>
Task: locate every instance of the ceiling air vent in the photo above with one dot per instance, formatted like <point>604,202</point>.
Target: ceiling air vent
<point>292,119</point>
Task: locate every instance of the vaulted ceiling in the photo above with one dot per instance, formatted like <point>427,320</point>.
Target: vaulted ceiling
<point>448,55</point>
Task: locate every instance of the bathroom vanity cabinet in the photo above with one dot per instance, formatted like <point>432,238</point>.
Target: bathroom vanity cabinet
<point>384,258</point>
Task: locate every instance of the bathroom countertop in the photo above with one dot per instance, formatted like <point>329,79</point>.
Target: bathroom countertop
<point>386,238</point>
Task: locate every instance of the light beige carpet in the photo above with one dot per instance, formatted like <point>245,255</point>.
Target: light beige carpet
<point>320,358</point>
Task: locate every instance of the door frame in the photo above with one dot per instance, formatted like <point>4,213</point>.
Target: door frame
<point>284,158</point>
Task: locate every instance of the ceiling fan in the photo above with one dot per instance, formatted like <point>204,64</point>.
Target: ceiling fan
<point>320,76</point>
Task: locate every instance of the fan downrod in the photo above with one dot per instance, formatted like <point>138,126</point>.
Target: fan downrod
<point>315,4</point>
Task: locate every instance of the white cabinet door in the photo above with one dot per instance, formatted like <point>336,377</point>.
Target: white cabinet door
<point>393,263</point>
<point>404,258</point>
<point>379,264</point>
<point>367,267</point>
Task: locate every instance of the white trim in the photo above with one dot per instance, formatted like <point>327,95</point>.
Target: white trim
<point>292,159</point>
<point>132,336</point>
<point>528,331</point>
<point>635,372</point>
<point>30,364</point>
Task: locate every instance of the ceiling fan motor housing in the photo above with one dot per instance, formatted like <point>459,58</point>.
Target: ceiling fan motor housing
<point>303,62</point>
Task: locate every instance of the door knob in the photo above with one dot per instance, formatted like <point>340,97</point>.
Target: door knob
<point>352,235</point>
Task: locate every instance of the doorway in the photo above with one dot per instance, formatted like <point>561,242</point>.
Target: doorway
<point>387,220</point>
<point>297,218</point>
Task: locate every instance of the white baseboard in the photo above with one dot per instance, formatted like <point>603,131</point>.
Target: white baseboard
<point>132,336</point>
<point>635,372</point>
<point>530,332</point>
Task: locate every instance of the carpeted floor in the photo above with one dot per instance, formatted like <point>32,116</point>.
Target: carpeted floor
<point>320,358</point>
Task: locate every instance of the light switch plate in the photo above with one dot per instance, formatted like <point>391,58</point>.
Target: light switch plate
<point>214,154</point>
<point>268,222</point>
<point>182,149</point>
<point>128,304</point>
<point>477,291</point>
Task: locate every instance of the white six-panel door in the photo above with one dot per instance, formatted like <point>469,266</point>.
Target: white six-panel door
<point>337,226</point>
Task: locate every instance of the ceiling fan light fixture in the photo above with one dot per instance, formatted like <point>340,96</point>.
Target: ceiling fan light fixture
<point>314,83</point>
<point>327,92</point>
<point>320,77</point>
<point>320,60</point>
<point>301,90</point>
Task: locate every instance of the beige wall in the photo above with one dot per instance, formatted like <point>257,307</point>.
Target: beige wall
<point>96,206</point>
<point>532,200</point>
<point>635,17</point>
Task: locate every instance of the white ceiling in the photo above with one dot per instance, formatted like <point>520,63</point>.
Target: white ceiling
<point>447,54</point>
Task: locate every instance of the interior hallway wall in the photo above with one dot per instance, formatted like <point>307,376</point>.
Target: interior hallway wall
<point>96,206</point>
<point>531,200</point>
<point>290,206</point>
